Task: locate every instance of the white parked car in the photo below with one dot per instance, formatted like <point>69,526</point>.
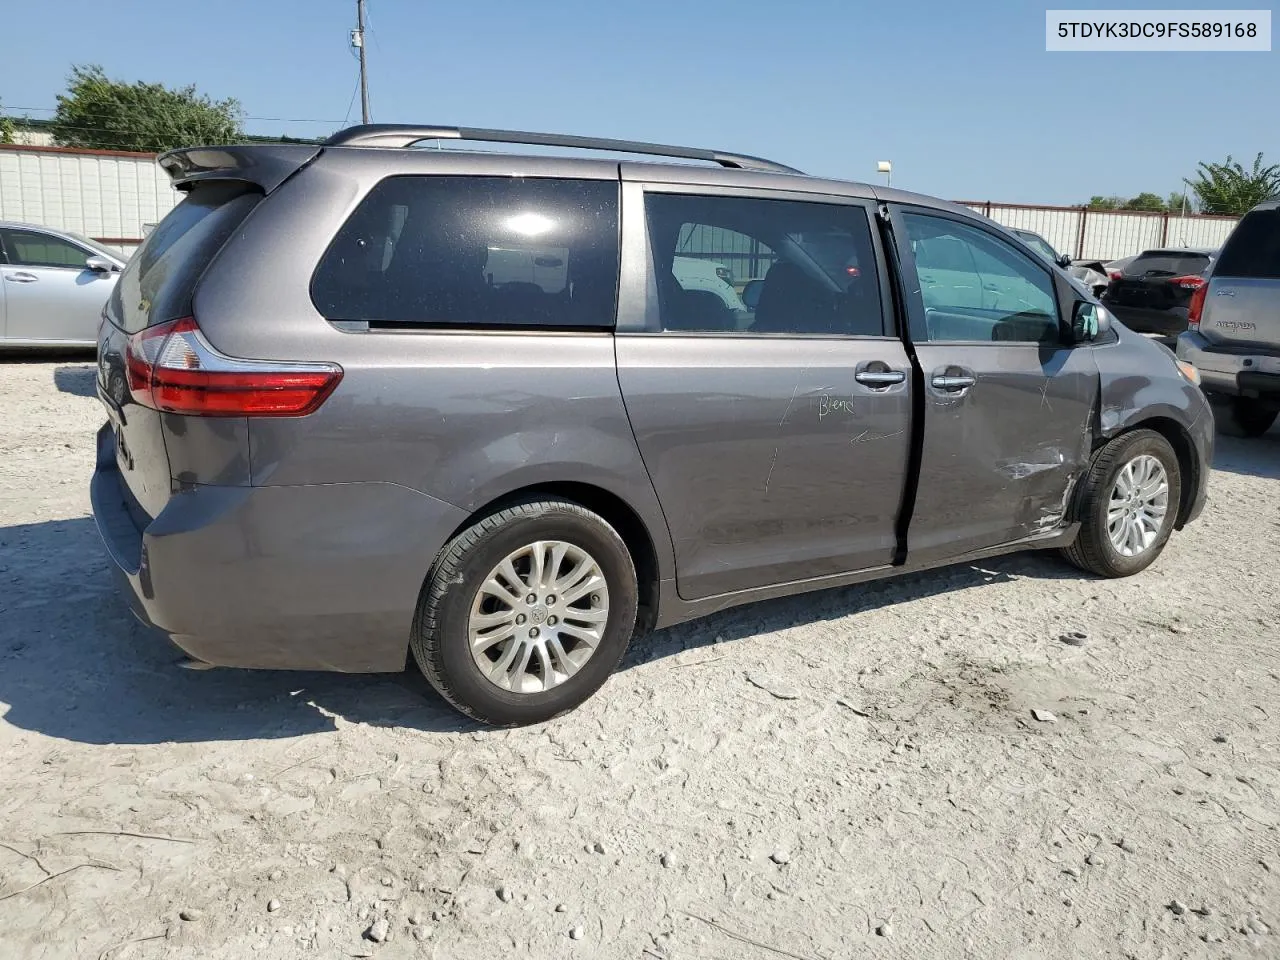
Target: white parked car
<point>53,286</point>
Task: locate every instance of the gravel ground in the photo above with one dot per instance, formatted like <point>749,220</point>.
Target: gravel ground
<point>848,774</point>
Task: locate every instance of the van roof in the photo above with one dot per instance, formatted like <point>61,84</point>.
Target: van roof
<point>268,165</point>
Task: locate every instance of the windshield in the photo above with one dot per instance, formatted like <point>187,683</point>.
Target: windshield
<point>95,245</point>
<point>1038,244</point>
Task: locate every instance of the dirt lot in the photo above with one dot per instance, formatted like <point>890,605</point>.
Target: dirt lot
<point>779,780</point>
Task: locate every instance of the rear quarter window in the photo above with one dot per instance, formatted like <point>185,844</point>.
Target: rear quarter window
<point>158,283</point>
<point>475,252</point>
<point>1253,249</point>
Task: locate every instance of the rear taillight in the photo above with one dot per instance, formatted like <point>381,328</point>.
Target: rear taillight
<point>171,367</point>
<point>1189,282</point>
<point>1115,275</point>
<point>1196,308</point>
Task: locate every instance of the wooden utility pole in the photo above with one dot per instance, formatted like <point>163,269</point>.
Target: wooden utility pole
<point>358,38</point>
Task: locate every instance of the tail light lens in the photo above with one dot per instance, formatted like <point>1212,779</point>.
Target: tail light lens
<point>1189,282</point>
<point>1115,275</point>
<point>171,367</point>
<point>1196,308</point>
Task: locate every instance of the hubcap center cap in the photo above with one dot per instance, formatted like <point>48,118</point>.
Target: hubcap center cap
<point>539,615</point>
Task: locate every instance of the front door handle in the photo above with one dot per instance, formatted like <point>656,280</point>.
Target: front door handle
<point>21,277</point>
<point>879,378</point>
<point>954,382</point>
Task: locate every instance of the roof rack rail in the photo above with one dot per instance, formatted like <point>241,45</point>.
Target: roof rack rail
<point>403,135</point>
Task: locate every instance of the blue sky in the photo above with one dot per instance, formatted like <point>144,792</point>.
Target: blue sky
<point>962,97</point>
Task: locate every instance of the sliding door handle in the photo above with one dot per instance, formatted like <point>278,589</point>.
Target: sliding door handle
<point>879,378</point>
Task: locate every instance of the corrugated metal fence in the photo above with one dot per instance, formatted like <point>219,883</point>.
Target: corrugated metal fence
<point>113,197</point>
<point>1109,234</point>
<point>117,197</point>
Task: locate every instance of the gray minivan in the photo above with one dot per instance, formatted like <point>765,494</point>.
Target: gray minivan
<point>1233,331</point>
<point>339,435</point>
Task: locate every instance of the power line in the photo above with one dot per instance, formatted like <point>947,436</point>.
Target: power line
<point>350,103</point>
<point>9,111</point>
<point>123,132</point>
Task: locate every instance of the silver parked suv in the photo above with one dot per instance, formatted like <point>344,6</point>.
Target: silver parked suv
<point>366,400</point>
<point>1233,335</point>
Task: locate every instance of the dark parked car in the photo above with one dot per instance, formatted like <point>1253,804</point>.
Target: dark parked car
<point>366,401</point>
<point>1093,274</point>
<point>1152,293</point>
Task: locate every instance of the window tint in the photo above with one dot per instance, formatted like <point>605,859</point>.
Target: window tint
<point>737,265</point>
<point>976,287</point>
<point>476,251</point>
<point>160,278</point>
<point>1253,249</point>
<point>26,248</point>
<point>1166,263</point>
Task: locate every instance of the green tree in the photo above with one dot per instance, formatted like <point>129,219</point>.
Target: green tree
<point>1175,201</point>
<point>1229,188</point>
<point>1150,202</point>
<point>6,127</point>
<point>1099,202</point>
<point>107,114</point>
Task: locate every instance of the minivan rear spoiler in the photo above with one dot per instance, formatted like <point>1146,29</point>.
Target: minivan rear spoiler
<point>264,165</point>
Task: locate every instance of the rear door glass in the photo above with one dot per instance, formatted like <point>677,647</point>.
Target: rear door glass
<point>160,278</point>
<point>812,265</point>
<point>1253,249</point>
<point>475,252</point>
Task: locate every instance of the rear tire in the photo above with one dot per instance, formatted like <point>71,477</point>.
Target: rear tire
<point>1245,416</point>
<point>1122,528</point>
<point>503,658</point>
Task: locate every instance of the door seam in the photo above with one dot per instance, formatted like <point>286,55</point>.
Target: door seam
<point>915,450</point>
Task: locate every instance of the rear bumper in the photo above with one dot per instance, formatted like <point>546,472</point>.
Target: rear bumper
<point>314,577</point>
<point>1236,371</point>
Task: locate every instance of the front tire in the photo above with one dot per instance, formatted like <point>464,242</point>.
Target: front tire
<point>1245,416</point>
<point>526,613</point>
<point>1128,505</point>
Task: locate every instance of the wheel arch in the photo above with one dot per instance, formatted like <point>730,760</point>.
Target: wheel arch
<point>615,511</point>
<point>1188,464</point>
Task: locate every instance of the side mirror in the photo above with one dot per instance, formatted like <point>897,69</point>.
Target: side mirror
<point>1088,322</point>
<point>751,293</point>
<point>99,264</point>
<point>1064,260</point>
